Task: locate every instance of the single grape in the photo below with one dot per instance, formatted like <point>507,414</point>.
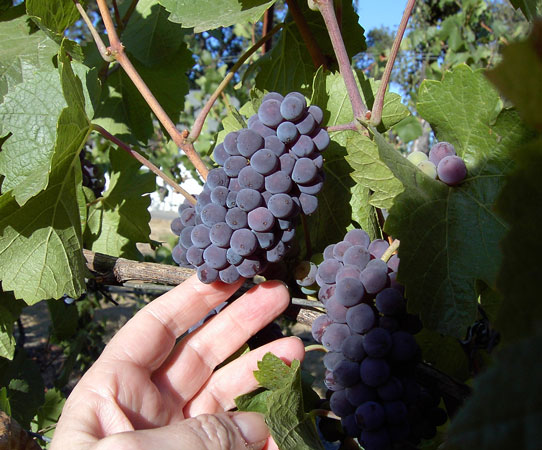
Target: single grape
<point>349,291</point>
<point>185,237</point>
<point>281,205</point>
<point>243,242</point>
<point>219,196</point>
<point>229,275</point>
<point>349,426</point>
<point>391,390</point>
<point>417,157</point>
<point>393,263</point>
<point>378,247</point>
<point>339,404</point>
<point>325,292</point>
<point>264,161</point>
<point>250,178</point>
<point>207,274</point>
<point>334,335</point>
<point>347,272</point>
<point>261,219</point>
<point>236,218</point>
<point>388,323</point>
<point>217,177</point>
<point>292,107</point>
<point>276,253</point>
<point>328,251</point>
<point>451,170</point>
<point>307,125</point>
<point>200,236</point>
<point>220,154</point>
<point>266,240</point>
<point>317,113</point>
<point>319,325</point>
<point>287,235</point>
<point>287,163</point>
<point>234,185</point>
<point>428,168</point>
<point>390,301</point>
<point>194,255</point>
<point>331,384</point>
<point>352,346</point>
<point>179,255</point>
<point>360,393</point>
<point>269,113</point>
<point>220,234</point>
<point>331,359</point>
<point>312,188</point>
<point>336,310</point>
<point>250,266</point>
<point>374,372</point>
<point>304,171</point>
<point>439,151</point>
<point>213,213</point>
<point>370,415</point>
<point>215,257</point>
<point>177,225</point>
<point>272,96</point>
<point>328,270</point>
<point>234,164</point>
<point>303,147</point>
<point>233,258</point>
<point>309,203</point>
<point>377,343</point>
<point>249,142</point>
<point>278,183</point>
<point>346,372</point>
<point>274,144</point>
<point>321,139</point>
<point>404,346</point>
<point>248,199</point>
<point>356,255</point>
<point>230,143</point>
<point>231,200</point>
<point>374,279</point>
<point>254,124</point>
<point>287,132</point>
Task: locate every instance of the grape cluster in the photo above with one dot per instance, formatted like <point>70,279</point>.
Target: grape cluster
<point>246,215</point>
<point>372,353</point>
<point>93,176</point>
<point>442,163</point>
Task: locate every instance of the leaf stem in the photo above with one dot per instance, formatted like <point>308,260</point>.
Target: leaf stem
<point>200,119</point>
<point>120,25</point>
<point>318,58</point>
<point>315,348</point>
<point>343,127</point>
<point>378,105</point>
<point>117,51</point>
<point>328,13</point>
<point>129,12</point>
<point>104,51</point>
<point>145,162</point>
<point>390,250</point>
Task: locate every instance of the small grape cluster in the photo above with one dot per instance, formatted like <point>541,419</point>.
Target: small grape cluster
<point>442,162</point>
<point>372,353</point>
<point>93,176</point>
<point>246,215</point>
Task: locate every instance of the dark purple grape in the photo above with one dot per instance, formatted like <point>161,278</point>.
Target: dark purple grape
<point>231,200</point>
<point>278,183</point>
<point>287,163</point>
<point>357,256</point>
<point>309,203</point>
<point>243,242</point>
<point>317,113</point>
<point>328,269</point>
<point>331,359</point>
<point>391,390</point>
<point>303,147</point>
<point>234,164</point>
<point>274,144</point>
<point>215,257</point>
<point>207,274</point>
<point>250,266</point>
<point>266,240</point>
<point>377,343</point>
<point>374,279</point>
<point>250,179</point>
<point>285,224</point>
<point>374,372</point>
<point>352,346</point>
<point>326,292</point>
<point>257,126</point>
<point>233,258</point>
<point>219,195</point>
<point>360,393</point>
<point>261,219</point>
<point>375,439</point>
<point>334,335</point>
<point>452,170</point>
<point>287,132</point>
<point>339,404</point>
<point>230,143</point>
<point>328,251</point>
<point>287,235</point>
<point>248,199</point>
<point>217,177</point>
<point>304,171</point>
<point>404,346</point>
<point>229,275</point>
<point>213,213</point>
<point>321,139</point>
<point>340,248</point>
<point>281,205</point>
<point>350,426</point>
<point>292,107</point>
<point>177,226</point>
<point>440,151</point>
<point>179,255</point>
<point>360,318</point>
<point>220,154</point>
<point>370,415</point>
<point>313,188</point>
<point>264,161</point>
<point>188,216</point>
<point>347,272</point>
<point>185,237</point>
<point>249,142</point>
<point>395,284</point>
<point>378,247</point>
<point>236,218</point>
<point>390,301</point>
<point>307,125</point>
<point>220,234</point>
<point>393,263</point>
<point>319,325</point>
<point>318,160</point>
<point>349,291</point>
<point>272,96</point>
<point>336,311</point>
<point>194,255</point>
<point>269,113</point>
<point>331,384</point>
<point>396,412</point>
<point>234,185</point>
<point>346,372</point>
<point>276,253</point>
<point>388,323</point>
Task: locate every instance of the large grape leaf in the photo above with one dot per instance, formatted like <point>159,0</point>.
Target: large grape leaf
<point>122,218</point>
<point>40,242</point>
<point>56,15</point>
<point>209,14</point>
<point>289,67</point>
<point>505,410</point>
<point>150,36</point>
<point>363,213</point>
<point>23,53</point>
<point>519,204</point>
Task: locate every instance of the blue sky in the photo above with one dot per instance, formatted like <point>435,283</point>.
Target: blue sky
<point>374,13</point>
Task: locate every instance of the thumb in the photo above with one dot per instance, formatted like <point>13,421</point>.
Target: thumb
<point>221,431</point>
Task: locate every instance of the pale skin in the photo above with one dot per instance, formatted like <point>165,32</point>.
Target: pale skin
<point>145,391</point>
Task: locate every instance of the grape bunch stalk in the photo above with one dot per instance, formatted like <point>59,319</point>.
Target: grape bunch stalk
<point>269,173</point>
<point>371,351</point>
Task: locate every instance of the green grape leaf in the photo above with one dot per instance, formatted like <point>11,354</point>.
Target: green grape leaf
<point>23,53</point>
<point>30,112</point>
<point>511,385</point>
<point>363,213</point>
<point>121,219</point>
<point>408,129</point>
<point>56,15</point>
<point>150,36</point>
<point>518,76</point>
<point>41,252</point>
<point>206,15</point>
<point>4,401</point>
<point>10,309</point>
<point>519,204</point>
<point>288,66</point>
<point>273,374</point>
<point>63,318</point>
<point>530,8</point>
<point>255,401</point>
<point>48,414</point>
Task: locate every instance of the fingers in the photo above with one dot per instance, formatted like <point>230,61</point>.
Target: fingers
<point>195,357</point>
<point>223,431</point>
<point>147,339</point>
<point>237,377</point>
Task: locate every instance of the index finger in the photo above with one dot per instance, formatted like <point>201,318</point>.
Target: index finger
<point>148,338</point>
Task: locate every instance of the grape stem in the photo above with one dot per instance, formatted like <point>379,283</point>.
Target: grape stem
<point>145,162</point>
<point>116,49</point>
<point>200,119</point>
<point>378,105</point>
<point>318,58</point>
<point>315,348</point>
<point>102,48</point>
<point>390,250</point>
<point>328,13</point>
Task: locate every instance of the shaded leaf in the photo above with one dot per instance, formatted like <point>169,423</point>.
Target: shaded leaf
<point>10,309</point>
<point>56,15</point>
<point>530,8</point>
<point>363,213</point>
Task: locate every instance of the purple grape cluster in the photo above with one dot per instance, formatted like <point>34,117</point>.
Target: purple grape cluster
<point>93,176</point>
<point>271,171</point>
<point>372,354</point>
<point>443,163</point>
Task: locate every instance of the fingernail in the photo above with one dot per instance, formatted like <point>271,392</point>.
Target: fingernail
<point>253,428</point>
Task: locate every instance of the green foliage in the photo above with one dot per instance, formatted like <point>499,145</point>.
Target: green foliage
<point>10,309</point>
<point>54,15</point>
<point>531,8</point>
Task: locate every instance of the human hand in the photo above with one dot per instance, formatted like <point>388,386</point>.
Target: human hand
<point>146,392</point>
